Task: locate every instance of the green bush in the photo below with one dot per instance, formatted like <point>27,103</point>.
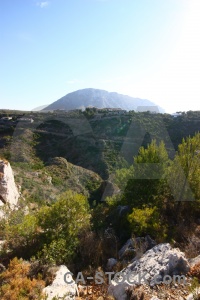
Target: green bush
<point>146,221</point>
<point>51,233</point>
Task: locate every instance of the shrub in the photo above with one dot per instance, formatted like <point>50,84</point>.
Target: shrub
<point>15,284</point>
<point>145,221</point>
<point>51,233</point>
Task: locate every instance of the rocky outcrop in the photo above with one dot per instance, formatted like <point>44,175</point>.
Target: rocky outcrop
<point>159,264</point>
<point>8,191</point>
<point>136,247</point>
<point>63,286</point>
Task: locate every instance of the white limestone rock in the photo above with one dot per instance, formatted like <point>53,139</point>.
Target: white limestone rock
<point>60,288</point>
<point>150,269</point>
<point>9,193</point>
<point>194,261</point>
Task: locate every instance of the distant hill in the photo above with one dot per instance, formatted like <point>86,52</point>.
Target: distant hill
<point>101,99</point>
<point>40,108</point>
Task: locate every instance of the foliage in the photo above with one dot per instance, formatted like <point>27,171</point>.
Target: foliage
<point>184,178</point>
<point>61,223</point>
<point>16,285</point>
<point>52,232</point>
<point>145,221</point>
<point>149,180</point>
<point>150,185</point>
<point>122,176</point>
<point>155,186</point>
<point>194,288</point>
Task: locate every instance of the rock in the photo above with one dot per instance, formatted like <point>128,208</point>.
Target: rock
<point>111,263</point>
<point>109,189</point>
<point>136,247</point>
<point>8,190</point>
<point>157,265</point>
<point>154,298</point>
<point>60,288</point>
<point>26,210</point>
<point>190,297</point>
<point>2,268</point>
<point>194,295</point>
<point>123,210</point>
<point>2,244</point>
<point>49,179</point>
<point>82,290</point>
<point>194,261</point>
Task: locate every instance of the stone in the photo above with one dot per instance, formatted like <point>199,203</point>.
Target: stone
<point>111,263</point>
<point>194,261</point>
<point>9,193</point>
<point>63,286</point>
<point>194,295</point>
<point>49,179</point>
<point>158,264</point>
<point>190,297</point>
<point>136,247</point>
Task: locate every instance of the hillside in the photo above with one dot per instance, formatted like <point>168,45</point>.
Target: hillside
<point>65,164</point>
<point>100,145</point>
<point>99,98</point>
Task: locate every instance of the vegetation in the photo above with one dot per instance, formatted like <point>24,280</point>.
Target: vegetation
<point>161,191</point>
<point>51,233</point>
<point>15,283</point>
<point>152,162</point>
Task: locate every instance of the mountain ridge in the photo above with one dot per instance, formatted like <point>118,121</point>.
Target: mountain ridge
<point>98,98</point>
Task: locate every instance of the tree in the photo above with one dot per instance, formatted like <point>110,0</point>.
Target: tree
<point>61,224</point>
<point>184,177</point>
<point>149,179</point>
<point>51,234</point>
<point>146,221</point>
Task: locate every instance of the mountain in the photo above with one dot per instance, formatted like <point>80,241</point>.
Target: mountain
<point>40,108</point>
<point>101,99</point>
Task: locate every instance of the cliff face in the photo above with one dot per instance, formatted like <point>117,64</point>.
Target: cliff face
<point>8,191</point>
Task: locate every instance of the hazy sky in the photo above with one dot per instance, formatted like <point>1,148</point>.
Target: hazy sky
<point>142,48</point>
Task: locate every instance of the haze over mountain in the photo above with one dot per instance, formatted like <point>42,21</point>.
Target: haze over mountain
<point>101,99</point>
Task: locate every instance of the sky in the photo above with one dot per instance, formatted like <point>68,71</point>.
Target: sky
<point>143,48</point>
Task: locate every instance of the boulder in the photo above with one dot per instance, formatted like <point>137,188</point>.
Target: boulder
<point>63,286</point>
<point>8,191</point>
<point>194,261</point>
<point>159,264</point>
<point>136,247</point>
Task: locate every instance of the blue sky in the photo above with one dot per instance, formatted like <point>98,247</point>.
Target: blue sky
<point>143,48</point>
